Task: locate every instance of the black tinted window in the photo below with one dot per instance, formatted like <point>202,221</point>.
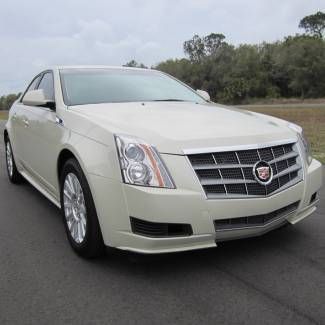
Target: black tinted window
<point>47,85</point>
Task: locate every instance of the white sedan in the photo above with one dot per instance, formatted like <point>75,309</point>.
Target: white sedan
<point>139,161</point>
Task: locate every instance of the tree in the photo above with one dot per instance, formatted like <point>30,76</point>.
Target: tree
<point>212,43</point>
<point>199,48</point>
<point>194,48</point>
<point>314,24</point>
<point>294,67</point>
<point>135,64</point>
<point>7,101</point>
<point>301,60</point>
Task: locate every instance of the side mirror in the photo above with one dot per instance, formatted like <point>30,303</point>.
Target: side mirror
<point>37,98</point>
<point>204,94</point>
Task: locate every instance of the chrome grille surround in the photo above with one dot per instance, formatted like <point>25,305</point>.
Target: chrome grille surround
<point>228,172</point>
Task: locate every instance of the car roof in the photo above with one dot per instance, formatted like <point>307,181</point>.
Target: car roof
<point>70,67</point>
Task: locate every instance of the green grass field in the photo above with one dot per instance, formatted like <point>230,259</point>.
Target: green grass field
<point>312,119</point>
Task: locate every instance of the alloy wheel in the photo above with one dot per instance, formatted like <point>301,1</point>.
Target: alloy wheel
<point>74,208</point>
<point>10,161</point>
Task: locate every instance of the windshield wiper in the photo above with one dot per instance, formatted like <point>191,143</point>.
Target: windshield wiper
<point>169,100</point>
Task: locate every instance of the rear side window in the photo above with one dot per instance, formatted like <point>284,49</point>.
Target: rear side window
<point>47,85</point>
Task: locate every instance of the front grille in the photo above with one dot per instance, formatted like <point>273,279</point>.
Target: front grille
<point>229,174</point>
<point>254,221</point>
<point>157,229</point>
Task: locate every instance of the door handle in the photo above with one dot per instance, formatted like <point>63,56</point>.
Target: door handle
<point>26,123</point>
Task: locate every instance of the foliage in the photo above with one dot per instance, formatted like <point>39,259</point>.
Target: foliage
<point>198,48</point>
<point>314,24</point>
<point>7,101</point>
<point>293,67</point>
<point>135,64</point>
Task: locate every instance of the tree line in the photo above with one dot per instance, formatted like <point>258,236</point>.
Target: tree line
<point>7,101</point>
<point>292,67</point>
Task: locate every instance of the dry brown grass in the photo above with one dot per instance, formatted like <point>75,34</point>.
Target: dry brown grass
<point>3,115</point>
<point>311,119</point>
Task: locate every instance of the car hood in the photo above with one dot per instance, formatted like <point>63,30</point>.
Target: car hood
<point>175,127</point>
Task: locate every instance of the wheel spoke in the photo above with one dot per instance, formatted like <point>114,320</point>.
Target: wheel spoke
<point>9,157</point>
<point>67,194</point>
<point>80,235</point>
<point>83,209</point>
<point>69,184</point>
<point>75,231</point>
<point>83,229</point>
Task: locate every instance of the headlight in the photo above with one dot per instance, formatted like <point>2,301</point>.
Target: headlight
<point>304,143</point>
<point>141,163</point>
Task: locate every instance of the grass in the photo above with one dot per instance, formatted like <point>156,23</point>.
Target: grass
<point>3,115</point>
<point>312,119</point>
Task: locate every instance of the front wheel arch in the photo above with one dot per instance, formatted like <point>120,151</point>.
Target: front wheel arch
<point>63,157</point>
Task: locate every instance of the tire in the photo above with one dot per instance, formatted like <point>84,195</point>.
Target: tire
<point>12,171</point>
<point>79,212</point>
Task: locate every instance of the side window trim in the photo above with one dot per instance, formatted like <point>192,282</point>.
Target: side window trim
<point>40,79</point>
<point>40,76</point>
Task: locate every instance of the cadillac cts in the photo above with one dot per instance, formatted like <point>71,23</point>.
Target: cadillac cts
<point>139,161</point>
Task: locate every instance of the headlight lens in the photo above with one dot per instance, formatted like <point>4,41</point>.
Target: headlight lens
<point>306,147</point>
<point>141,163</point>
<point>303,142</point>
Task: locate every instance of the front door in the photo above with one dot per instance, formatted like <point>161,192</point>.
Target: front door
<point>43,136</point>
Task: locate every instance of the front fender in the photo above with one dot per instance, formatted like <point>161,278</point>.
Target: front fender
<point>95,158</point>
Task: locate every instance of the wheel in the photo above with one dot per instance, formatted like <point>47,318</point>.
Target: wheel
<point>79,212</point>
<point>13,173</point>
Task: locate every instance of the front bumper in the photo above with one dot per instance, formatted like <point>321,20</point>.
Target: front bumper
<point>187,204</point>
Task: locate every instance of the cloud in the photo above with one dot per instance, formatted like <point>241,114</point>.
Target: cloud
<point>38,33</point>
<point>94,43</point>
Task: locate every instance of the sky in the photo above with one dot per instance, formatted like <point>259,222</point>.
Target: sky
<point>35,34</point>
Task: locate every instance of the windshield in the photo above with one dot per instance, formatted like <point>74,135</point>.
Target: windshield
<point>94,86</point>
